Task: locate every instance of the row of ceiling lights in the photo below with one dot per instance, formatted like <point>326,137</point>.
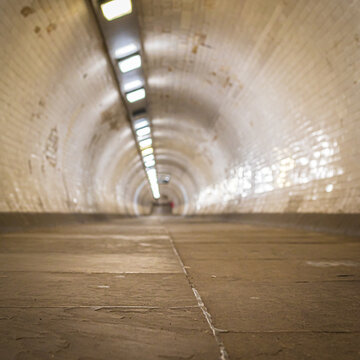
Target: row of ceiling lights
<point>128,60</point>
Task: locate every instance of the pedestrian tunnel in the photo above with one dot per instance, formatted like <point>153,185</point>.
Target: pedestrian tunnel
<point>253,107</point>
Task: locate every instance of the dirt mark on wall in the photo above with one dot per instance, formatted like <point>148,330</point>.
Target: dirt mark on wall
<point>26,11</point>
<point>51,27</point>
<point>111,119</point>
<point>51,147</point>
<point>294,204</point>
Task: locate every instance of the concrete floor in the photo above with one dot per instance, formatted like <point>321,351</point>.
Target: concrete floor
<point>167,288</point>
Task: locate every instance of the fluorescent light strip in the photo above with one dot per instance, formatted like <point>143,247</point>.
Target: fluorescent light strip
<point>155,191</point>
<point>150,163</point>
<point>133,85</point>
<point>131,63</point>
<point>126,50</point>
<point>143,131</point>
<point>149,158</point>
<point>152,176</point>
<point>116,8</point>
<point>141,123</point>
<point>145,143</point>
<point>134,90</point>
<point>147,151</point>
<point>136,95</point>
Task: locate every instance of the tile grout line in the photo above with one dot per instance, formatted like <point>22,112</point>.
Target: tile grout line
<point>223,353</point>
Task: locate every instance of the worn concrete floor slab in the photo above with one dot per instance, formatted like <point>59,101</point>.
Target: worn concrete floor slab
<point>141,289</point>
<point>275,293</point>
<point>106,333</point>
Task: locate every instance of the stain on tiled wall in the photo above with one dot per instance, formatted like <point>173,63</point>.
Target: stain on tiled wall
<point>51,147</point>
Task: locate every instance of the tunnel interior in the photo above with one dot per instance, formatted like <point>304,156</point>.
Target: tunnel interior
<point>254,108</point>
<point>253,146</point>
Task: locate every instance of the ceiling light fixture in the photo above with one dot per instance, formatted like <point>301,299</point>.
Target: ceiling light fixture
<point>152,176</point>
<point>145,143</point>
<point>131,63</point>
<point>124,44</point>
<point>147,151</point>
<point>135,84</point>
<point>143,131</point>
<point>116,8</point>
<point>126,50</point>
<point>149,158</point>
<point>136,95</point>
<point>164,179</point>
<point>155,190</point>
<point>150,163</point>
<point>140,123</point>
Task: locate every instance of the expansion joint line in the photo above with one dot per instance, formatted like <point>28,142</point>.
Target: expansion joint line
<point>223,353</point>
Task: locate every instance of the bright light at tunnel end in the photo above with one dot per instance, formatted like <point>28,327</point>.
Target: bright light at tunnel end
<point>116,8</point>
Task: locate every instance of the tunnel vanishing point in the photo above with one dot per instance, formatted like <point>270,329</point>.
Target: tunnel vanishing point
<point>180,179</point>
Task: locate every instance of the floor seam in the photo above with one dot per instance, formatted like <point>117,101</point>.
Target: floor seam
<point>223,353</point>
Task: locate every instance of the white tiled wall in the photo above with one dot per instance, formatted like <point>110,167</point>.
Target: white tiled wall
<point>65,143</point>
<point>273,88</point>
<point>255,105</point>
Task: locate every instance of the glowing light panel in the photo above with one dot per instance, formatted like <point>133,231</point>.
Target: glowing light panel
<point>116,8</point>
<point>132,85</point>
<point>145,143</point>
<point>143,131</point>
<point>149,158</point>
<point>126,50</point>
<point>152,176</point>
<point>136,95</point>
<point>141,123</point>
<point>147,151</point>
<point>150,163</point>
<point>131,63</point>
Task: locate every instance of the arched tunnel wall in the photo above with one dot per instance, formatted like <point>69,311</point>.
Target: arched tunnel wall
<point>255,108</point>
<point>65,140</point>
<point>277,85</point>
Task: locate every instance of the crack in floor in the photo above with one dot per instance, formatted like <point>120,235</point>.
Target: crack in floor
<point>223,353</point>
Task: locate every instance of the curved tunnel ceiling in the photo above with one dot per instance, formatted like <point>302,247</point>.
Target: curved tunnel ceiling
<point>254,104</point>
<point>272,87</point>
